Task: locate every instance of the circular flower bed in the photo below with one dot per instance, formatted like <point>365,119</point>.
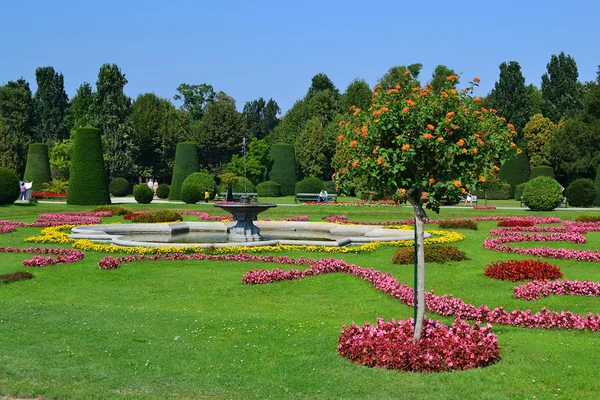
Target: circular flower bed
<point>516,222</point>
<point>522,270</point>
<point>390,345</point>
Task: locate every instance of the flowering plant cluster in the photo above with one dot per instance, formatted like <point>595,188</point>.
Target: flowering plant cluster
<point>516,222</point>
<point>47,194</point>
<point>410,221</point>
<point>354,204</point>
<point>390,345</point>
<point>440,253</point>
<point>7,226</point>
<point>522,270</point>
<point>63,256</point>
<point>484,207</point>
<point>53,234</point>
<point>537,289</point>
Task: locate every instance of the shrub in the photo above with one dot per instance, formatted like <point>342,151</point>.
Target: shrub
<point>37,169</point>
<point>202,181</point>
<point>15,276</point>
<point>88,184</point>
<point>516,222</point>
<point>460,224</point>
<point>119,187</point>
<point>162,191</point>
<point>542,170</point>
<point>597,183</point>
<point>158,216</point>
<point>238,186</point>
<point>330,187</point>
<point>581,193</point>
<point>542,194</point>
<point>309,185</point>
<point>519,190</point>
<point>114,210</point>
<point>269,189</point>
<point>282,161</point>
<point>521,270</point>
<point>190,193</point>
<point>186,163</point>
<point>9,186</point>
<point>56,186</point>
<point>588,218</point>
<point>143,194</point>
<point>501,191</point>
<point>516,168</point>
<point>433,253</point>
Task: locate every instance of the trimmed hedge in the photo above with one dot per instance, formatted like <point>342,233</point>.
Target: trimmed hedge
<point>194,186</point>
<point>9,186</point>
<point>515,169</point>
<point>519,191</point>
<point>114,210</point>
<point>587,218</point>
<point>187,161</point>
<point>37,169</point>
<point>283,167</point>
<point>542,194</point>
<point>158,216</point>
<point>597,183</point>
<point>268,189</point>
<point>309,185</point>
<point>330,187</point>
<point>143,194</point>
<point>581,193</point>
<point>502,191</point>
<point>542,170</point>
<point>238,187</point>
<point>119,187</point>
<point>190,193</point>
<point>460,224</point>
<point>162,191</point>
<point>88,182</point>
<point>15,277</point>
<point>433,253</point>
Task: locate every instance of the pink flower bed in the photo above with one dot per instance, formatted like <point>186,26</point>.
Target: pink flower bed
<point>56,219</point>
<point>204,216</point>
<point>63,256</point>
<point>484,207</point>
<point>390,345</point>
<point>409,221</point>
<point>537,289</point>
<point>350,204</point>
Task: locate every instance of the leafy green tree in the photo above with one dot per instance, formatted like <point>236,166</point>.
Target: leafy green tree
<point>535,98</point>
<point>50,107</point>
<point>538,132</point>
<point>16,122</point>
<point>561,92</point>
<point>80,106</point>
<point>439,78</point>
<point>319,83</point>
<point>195,98</point>
<point>60,159</point>
<point>112,108</point>
<point>405,76</point>
<point>510,96</point>
<point>310,157</point>
<point>291,124</point>
<point>261,117</point>
<point>575,149</point>
<point>257,161</point>
<point>358,94</point>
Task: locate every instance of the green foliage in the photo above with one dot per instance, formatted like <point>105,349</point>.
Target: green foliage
<point>162,191</point>
<point>542,194</point>
<point>501,191</point>
<point>9,186</point>
<point>119,187</point>
<point>310,149</point>
<point>88,184</point>
<point>542,170</point>
<point>581,193</point>
<point>398,76</point>
<point>186,163</point>
<point>114,210</point>
<point>292,122</point>
<point>238,186</point>
<point>15,277</point>
<point>561,91</point>
<point>319,83</point>
<point>358,94</point>
<point>56,186</point>
<point>597,183</point>
<point>50,107</point>
<point>268,189</point>
<point>282,167</point>
<point>587,218</point>
<point>191,194</point>
<point>434,253</point>
<point>158,216</point>
<point>261,117</point>
<point>519,190</point>
<point>330,187</point>
<point>37,169</point>
<point>60,159</point>
<point>195,185</point>
<point>439,77</point>
<point>459,224</point>
<point>80,107</point>
<point>537,133</point>
<point>195,98</point>
<point>143,194</point>
<point>515,169</point>
<point>15,124</point>
<point>257,161</point>
<point>309,185</point>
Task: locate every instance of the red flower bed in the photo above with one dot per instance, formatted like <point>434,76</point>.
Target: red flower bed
<point>522,270</point>
<point>390,345</point>
<point>48,194</point>
<point>516,222</point>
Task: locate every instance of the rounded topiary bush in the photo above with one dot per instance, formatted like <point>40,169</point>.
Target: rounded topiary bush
<point>9,186</point>
<point>516,168</point>
<point>542,194</point>
<point>519,191</point>
<point>542,170</point>
<point>269,189</point>
<point>330,187</point>
<point>37,169</point>
<point>190,193</point>
<point>194,186</point>
<point>581,193</point>
<point>283,167</point>
<point>119,187</point>
<point>309,185</point>
<point>162,191</point>
<point>186,162</point>
<point>143,194</point>
<point>88,183</point>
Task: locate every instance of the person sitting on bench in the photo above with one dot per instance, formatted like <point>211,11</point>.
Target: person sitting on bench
<point>323,196</point>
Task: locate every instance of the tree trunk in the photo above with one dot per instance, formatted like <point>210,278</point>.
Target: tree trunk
<point>420,219</point>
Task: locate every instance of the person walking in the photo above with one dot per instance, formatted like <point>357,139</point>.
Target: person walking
<point>155,187</point>
<point>23,192</point>
<point>206,196</point>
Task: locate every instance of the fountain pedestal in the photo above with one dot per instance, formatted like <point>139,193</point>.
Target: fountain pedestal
<point>244,213</point>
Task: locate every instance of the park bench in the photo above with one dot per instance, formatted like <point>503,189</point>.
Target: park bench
<point>473,202</point>
<point>236,196</point>
<point>301,197</point>
<point>564,203</point>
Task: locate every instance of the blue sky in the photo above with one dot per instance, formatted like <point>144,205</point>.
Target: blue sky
<point>252,49</point>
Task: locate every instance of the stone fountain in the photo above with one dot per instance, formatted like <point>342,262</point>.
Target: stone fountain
<point>244,213</point>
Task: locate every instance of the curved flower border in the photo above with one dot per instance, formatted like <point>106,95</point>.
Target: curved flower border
<point>63,256</point>
<point>537,289</point>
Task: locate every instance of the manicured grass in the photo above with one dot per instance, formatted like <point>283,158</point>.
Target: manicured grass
<point>193,330</point>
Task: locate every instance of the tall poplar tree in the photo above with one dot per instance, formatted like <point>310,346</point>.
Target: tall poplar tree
<point>80,107</point>
<point>16,111</point>
<point>561,92</point>
<point>50,107</point>
<point>439,78</point>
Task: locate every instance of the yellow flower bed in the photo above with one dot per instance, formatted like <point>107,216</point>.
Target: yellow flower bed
<point>52,234</point>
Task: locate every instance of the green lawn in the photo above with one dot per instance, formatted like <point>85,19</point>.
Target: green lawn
<point>153,330</point>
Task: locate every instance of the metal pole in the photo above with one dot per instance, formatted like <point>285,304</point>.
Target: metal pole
<point>244,152</point>
<point>416,279</point>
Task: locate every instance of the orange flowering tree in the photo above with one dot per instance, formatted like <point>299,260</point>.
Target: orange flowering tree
<point>426,146</point>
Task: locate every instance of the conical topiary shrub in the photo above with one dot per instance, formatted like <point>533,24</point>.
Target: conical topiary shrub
<point>516,168</point>
<point>186,163</point>
<point>88,183</point>
<point>37,169</point>
<point>283,167</point>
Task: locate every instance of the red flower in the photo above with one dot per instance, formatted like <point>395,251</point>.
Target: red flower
<point>353,143</point>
